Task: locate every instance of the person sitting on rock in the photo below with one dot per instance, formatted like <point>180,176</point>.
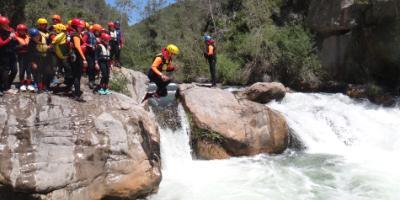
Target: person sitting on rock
<point>102,60</point>
<point>162,63</point>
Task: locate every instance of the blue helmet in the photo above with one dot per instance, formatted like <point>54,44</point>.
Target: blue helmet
<point>207,38</point>
<point>33,32</point>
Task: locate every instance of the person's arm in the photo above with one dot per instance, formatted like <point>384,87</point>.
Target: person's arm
<point>77,45</point>
<point>5,42</point>
<point>157,62</point>
<point>58,38</point>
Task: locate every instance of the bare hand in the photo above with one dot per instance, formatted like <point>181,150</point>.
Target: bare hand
<point>164,78</point>
<point>12,35</point>
<point>97,67</point>
<point>85,65</point>
<point>34,66</point>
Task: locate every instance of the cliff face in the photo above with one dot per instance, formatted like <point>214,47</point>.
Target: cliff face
<point>358,40</point>
<point>52,147</point>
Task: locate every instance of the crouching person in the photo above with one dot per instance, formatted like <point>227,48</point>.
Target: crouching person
<point>162,63</point>
<point>103,61</point>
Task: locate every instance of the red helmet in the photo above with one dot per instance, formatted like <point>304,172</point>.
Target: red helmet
<point>82,23</point>
<point>105,37</point>
<point>4,21</point>
<point>111,24</point>
<point>22,27</point>
<point>75,22</point>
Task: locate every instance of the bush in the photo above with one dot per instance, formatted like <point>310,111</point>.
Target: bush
<point>228,71</point>
<point>119,83</point>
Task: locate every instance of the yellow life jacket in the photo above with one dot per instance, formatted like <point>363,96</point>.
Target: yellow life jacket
<point>60,46</point>
<point>42,46</point>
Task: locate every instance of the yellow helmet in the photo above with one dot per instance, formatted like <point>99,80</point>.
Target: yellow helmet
<point>59,28</point>
<point>42,21</point>
<point>173,49</point>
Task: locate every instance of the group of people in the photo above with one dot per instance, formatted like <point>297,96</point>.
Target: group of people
<point>47,53</point>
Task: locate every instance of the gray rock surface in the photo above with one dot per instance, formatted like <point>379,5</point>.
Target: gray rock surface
<point>54,148</point>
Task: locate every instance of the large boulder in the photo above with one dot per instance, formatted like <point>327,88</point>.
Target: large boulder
<point>223,126</point>
<point>54,148</point>
<point>263,92</point>
<point>137,84</point>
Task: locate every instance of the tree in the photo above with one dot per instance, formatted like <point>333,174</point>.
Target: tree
<point>126,6</point>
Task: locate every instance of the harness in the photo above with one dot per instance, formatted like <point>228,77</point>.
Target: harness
<point>104,53</point>
<point>42,47</point>
<point>165,60</point>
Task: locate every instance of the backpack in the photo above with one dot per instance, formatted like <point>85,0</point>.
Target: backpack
<point>91,40</point>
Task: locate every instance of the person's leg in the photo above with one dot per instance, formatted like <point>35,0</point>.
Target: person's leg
<point>77,74</point>
<point>117,56</point>
<point>13,70</point>
<point>91,71</point>
<point>212,63</point>
<point>49,70</point>
<point>162,90</point>
<point>104,75</point>
<point>22,69</point>
<point>4,65</point>
<point>68,75</point>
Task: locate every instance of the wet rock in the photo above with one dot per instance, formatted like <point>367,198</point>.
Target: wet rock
<point>54,148</point>
<point>238,127</point>
<point>373,93</point>
<point>263,92</point>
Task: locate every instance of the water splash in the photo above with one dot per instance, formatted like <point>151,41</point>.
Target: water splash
<point>352,153</point>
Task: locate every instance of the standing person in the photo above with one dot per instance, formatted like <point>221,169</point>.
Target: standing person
<point>113,42</point>
<point>7,54</point>
<point>119,43</point>
<point>62,51</point>
<point>210,54</point>
<point>39,56</point>
<point>42,27</point>
<point>90,43</point>
<point>162,63</point>
<point>51,65</point>
<point>25,68</point>
<point>103,62</point>
<point>78,59</point>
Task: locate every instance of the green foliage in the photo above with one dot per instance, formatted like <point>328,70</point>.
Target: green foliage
<point>229,71</point>
<point>119,83</point>
<point>294,55</point>
<point>202,134</point>
<point>373,90</point>
<point>90,10</point>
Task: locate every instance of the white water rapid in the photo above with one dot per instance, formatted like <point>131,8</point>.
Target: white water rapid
<point>352,153</point>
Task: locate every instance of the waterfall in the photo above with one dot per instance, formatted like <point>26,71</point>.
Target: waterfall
<point>352,151</point>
